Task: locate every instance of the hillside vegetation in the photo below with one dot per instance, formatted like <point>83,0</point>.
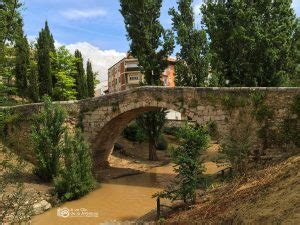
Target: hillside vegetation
<point>267,196</point>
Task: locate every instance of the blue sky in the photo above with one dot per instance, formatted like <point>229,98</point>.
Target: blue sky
<point>94,26</point>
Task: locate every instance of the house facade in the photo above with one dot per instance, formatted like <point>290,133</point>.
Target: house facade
<point>126,74</point>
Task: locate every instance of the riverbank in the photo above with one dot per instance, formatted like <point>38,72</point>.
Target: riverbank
<point>266,196</point>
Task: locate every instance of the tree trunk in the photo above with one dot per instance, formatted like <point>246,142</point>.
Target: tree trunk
<point>152,149</point>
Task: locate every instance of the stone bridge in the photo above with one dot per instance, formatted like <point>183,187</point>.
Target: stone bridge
<point>104,118</point>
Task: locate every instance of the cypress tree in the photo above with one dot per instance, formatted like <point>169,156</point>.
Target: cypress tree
<point>22,61</point>
<point>90,79</point>
<point>193,59</point>
<point>250,41</point>
<point>44,48</point>
<point>80,76</point>
<point>33,90</point>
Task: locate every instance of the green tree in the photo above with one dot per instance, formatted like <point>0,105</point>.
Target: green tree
<point>296,79</point>
<point>238,145</point>
<point>45,46</point>
<point>75,178</point>
<point>81,86</point>
<point>47,133</point>
<point>7,74</point>
<point>22,61</point>
<point>33,80</point>
<point>250,41</point>
<point>90,79</point>
<point>151,44</point>
<point>9,17</point>
<point>152,123</point>
<point>65,69</point>
<point>188,164</point>
<point>192,64</point>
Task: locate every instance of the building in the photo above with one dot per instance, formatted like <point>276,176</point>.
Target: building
<point>125,75</point>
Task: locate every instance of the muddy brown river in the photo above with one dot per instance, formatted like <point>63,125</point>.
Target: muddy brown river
<point>116,200</point>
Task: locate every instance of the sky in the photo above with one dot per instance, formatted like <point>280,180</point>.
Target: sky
<point>95,27</point>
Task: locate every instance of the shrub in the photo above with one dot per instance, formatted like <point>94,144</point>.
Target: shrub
<point>239,143</point>
<point>133,132</point>
<point>212,129</point>
<point>47,133</point>
<point>75,179</point>
<point>290,134</point>
<point>171,130</point>
<point>161,143</point>
<point>188,165</point>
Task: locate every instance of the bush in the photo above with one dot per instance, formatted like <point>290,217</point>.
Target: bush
<point>47,133</point>
<point>238,145</point>
<point>188,165</point>
<point>133,132</point>
<point>161,143</point>
<point>75,179</point>
<point>171,130</point>
<point>212,129</point>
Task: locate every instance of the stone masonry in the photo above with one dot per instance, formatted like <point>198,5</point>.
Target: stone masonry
<point>104,118</point>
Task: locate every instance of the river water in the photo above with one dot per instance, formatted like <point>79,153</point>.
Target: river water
<point>122,199</point>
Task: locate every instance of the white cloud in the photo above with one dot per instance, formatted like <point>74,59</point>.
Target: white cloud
<point>76,14</point>
<point>101,59</point>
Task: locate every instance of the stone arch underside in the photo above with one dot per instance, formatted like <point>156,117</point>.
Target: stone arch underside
<point>104,140</point>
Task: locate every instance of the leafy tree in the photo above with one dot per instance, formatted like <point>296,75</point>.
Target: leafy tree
<point>81,86</point>
<point>250,41</point>
<point>151,44</point>
<point>90,79</point>
<point>9,17</point>
<point>64,88</point>
<point>47,132</point>
<point>238,144</point>
<point>22,61</point>
<point>75,179</point>
<point>45,46</point>
<point>7,74</point>
<point>192,64</point>
<point>152,123</point>
<point>188,164</point>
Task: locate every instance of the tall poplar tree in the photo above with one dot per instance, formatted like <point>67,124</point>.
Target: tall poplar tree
<point>192,64</point>
<point>22,60</point>
<point>90,79</point>
<point>45,47</point>
<point>81,86</point>
<point>250,41</point>
<point>151,44</point>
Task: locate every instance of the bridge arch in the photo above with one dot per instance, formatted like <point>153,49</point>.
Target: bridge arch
<point>108,117</point>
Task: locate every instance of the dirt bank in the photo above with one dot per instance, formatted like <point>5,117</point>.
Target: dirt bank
<point>267,196</point>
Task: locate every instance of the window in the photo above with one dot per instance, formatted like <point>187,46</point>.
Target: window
<point>133,78</point>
